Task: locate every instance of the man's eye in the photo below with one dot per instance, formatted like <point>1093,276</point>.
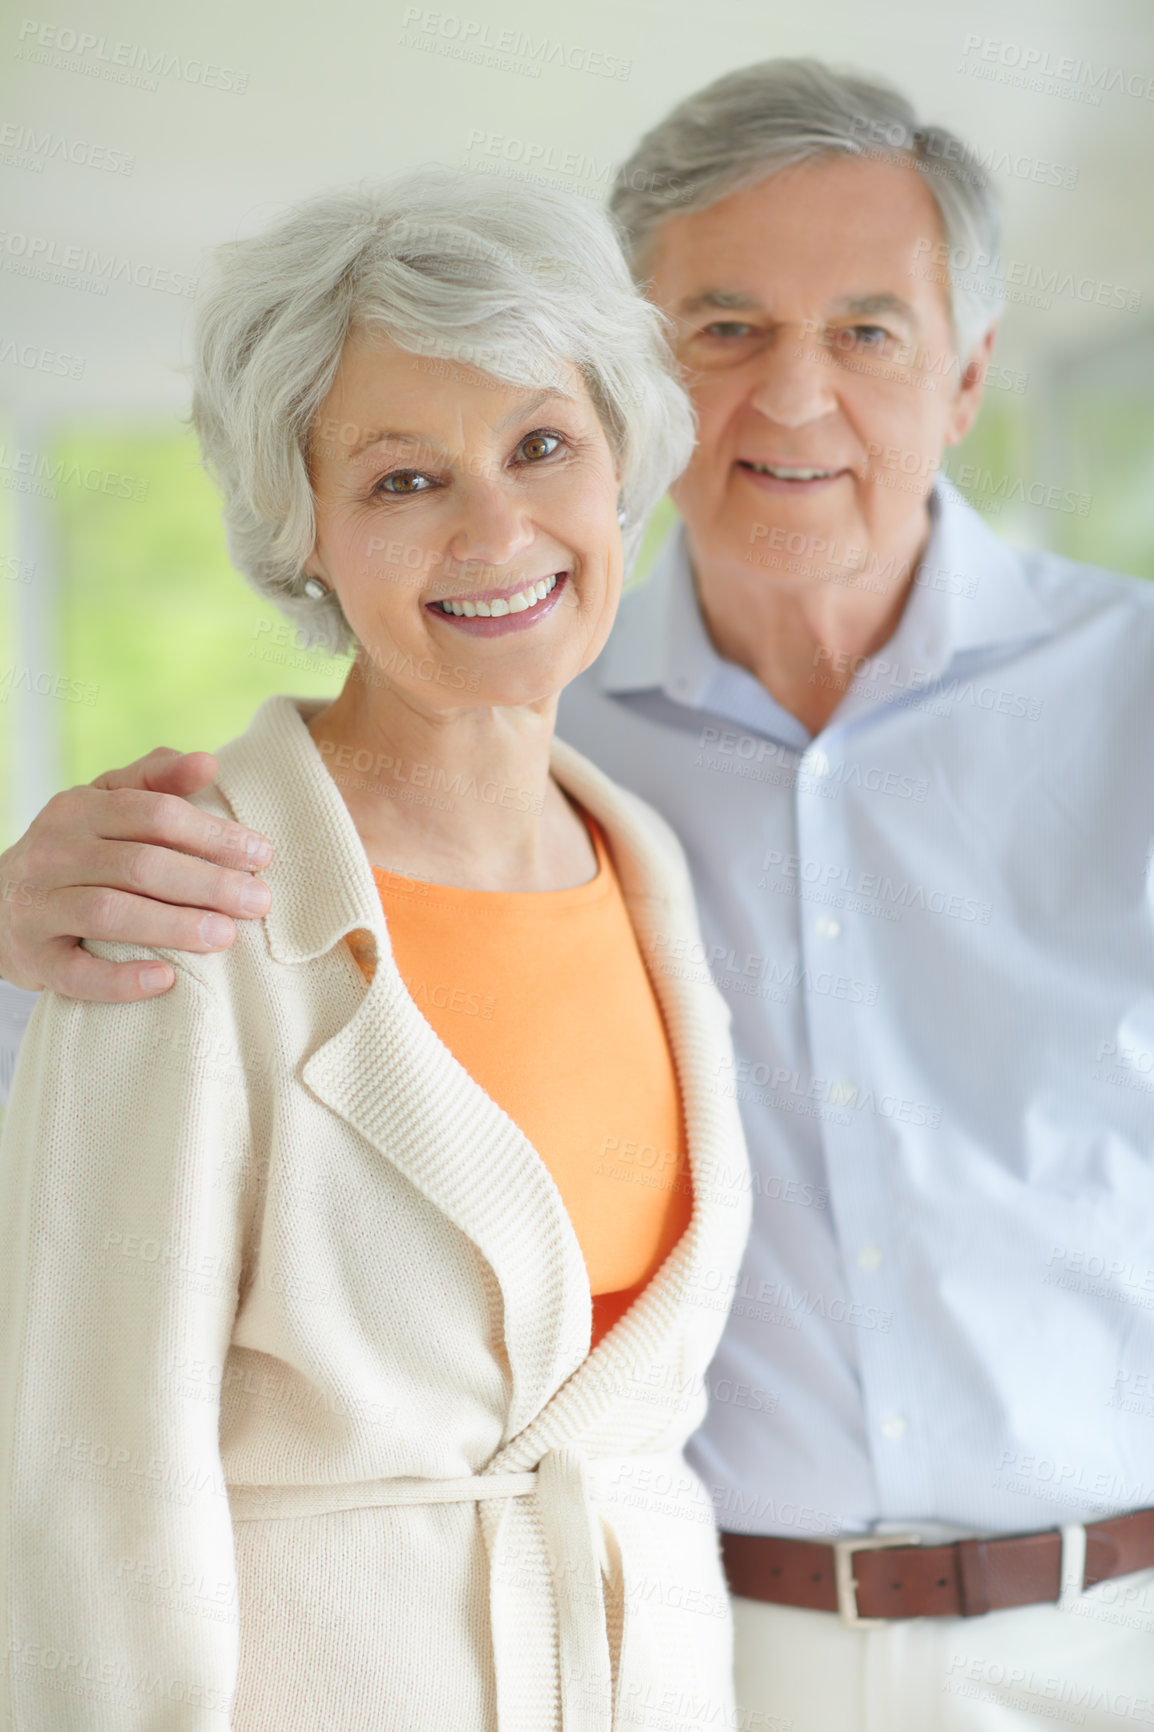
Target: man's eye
<point>538,445</point>
<point>727,328</point>
<point>861,337</point>
<point>404,481</point>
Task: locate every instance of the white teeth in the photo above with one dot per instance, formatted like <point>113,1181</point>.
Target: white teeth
<point>780,474</point>
<point>519,603</point>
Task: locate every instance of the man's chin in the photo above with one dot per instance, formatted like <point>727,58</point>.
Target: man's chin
<point>791,542</point>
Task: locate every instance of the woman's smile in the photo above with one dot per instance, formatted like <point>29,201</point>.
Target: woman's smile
<point>492,612</point>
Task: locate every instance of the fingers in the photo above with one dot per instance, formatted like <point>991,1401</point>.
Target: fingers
<point>72,971</point>
<point>43,949</point>
<point>184,774</point>
<point>163,771</point>
<point>113,916</point>
<point>169,877</point>
<point>131,864</point>
<point>83,815</point>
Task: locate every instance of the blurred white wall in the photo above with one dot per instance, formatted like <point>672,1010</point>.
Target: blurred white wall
<point>135,136</point>
<point>254,105</point>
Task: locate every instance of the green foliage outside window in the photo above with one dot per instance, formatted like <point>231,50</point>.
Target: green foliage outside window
<point>181,651</point>
<point>181,648</point>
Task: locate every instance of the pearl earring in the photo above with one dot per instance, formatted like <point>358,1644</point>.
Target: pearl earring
<point>315,589</point>
<point>622,516</point>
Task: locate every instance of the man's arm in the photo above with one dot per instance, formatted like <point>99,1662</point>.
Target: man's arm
<point>126,858</point>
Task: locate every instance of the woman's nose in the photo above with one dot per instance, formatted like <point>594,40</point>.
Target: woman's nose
<point>494,525</point>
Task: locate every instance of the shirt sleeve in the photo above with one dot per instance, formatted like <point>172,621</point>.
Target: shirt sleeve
<point>16,1006</point>
<point>121,1239</point>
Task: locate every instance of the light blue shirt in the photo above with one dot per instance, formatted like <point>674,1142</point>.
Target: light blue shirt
<point>934,923</point>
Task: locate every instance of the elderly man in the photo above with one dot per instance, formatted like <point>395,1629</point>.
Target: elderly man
<point>899,755</point>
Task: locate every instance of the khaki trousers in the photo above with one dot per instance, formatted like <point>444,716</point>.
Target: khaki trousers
<point>1089,1663</point>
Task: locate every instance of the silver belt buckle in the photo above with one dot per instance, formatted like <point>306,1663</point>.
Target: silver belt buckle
<point>843,1551</point>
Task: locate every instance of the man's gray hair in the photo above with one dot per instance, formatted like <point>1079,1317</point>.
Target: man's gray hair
<point>516,282</point>
<point>749,124</point>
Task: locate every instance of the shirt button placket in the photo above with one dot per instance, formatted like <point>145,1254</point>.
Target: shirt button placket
<point>836,1002</point>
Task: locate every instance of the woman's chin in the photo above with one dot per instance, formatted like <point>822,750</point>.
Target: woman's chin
<point>444,676</point>
<point>526,692</point>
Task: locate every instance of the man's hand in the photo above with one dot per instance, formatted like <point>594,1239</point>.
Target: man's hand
<point>126,858</point>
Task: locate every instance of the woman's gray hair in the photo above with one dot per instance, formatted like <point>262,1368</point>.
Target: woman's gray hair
<point>749,124</point>
<point>513,281</point>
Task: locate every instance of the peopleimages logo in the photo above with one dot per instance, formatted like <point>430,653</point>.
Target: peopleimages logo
<point>1037,69</point>
<point>71,50</point>
<point>35,472</point>
<point>39,360</point>
<point>84,267</point>
<point>900,895</point>
<point>28,147</point>
<point>508,49</point>
<point>1021,280</point>
<point>943,154</point>
<point>993,491</point>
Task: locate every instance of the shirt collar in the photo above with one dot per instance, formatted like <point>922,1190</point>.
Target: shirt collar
<point>989,597</point>
<point>970,592</point>
<point>659,643</point>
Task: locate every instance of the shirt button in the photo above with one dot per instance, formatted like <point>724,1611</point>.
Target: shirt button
<point>894,1426</point>
<point>827,927</point>
<point>842,1093</point>
<point>869,1258</point>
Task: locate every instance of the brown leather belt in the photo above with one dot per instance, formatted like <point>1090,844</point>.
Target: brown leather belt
<point>870,1577</point>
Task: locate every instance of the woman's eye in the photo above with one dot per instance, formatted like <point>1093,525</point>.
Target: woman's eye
<point>539,445</point>
<point>404,481</point>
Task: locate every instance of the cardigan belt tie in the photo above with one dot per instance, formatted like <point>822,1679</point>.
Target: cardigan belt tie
<point>579,1549</point>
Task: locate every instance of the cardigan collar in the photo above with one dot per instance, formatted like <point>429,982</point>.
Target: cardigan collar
<point>275,780</point>
<point>387,1073</point>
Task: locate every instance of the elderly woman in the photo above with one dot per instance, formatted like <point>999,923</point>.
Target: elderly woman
<point>360,1290</point>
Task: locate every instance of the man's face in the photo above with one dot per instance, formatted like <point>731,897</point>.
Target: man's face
<point>818,346</point>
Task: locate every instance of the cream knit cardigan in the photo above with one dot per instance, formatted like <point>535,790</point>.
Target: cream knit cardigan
<point>300,1428</point>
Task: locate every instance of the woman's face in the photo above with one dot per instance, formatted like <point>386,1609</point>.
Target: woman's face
<point>435,483</point>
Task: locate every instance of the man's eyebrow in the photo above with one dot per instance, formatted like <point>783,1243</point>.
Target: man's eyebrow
<point>728,300</point>
<point>519,413</point>
<point>864,305</point>
<point>738,301</point>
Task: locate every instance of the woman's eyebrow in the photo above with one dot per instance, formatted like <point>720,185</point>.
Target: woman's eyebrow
<point>522,410</point>
<point>376,436</point>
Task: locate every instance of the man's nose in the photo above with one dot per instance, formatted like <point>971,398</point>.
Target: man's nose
<point>493,526</point>
<point>795,379</point>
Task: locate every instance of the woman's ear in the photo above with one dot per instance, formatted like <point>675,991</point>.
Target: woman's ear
<point>314,566</point>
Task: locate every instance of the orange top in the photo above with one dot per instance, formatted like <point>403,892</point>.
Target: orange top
<point>543,997</point>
